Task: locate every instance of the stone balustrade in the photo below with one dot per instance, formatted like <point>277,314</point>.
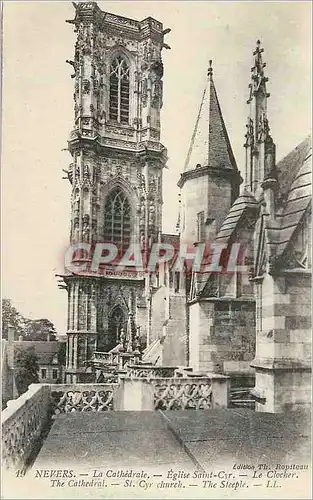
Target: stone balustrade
<point>119,359</point>
<point>23,422</point>
<point>26,419</point>
<point>150,371</point>
<point>68,398</point>
<point>110,358</point>
<point>173,393</point>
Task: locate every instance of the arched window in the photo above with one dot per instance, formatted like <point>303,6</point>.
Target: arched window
<point>117,321</point>
<point>119,90</point>
<point>117,219</point>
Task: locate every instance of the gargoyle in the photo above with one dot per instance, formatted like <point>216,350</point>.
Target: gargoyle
<point>74,64</point>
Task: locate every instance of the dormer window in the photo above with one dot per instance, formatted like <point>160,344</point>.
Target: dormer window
<point>119,91</point>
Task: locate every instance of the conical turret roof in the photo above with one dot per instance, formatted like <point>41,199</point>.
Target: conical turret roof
<point>210,145</point>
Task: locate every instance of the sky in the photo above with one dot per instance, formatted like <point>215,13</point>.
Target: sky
<point>37,112</point>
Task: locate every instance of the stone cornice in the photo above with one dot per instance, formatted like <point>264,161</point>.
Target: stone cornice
<point>250,300</point>
<point>90,13</point>
<point>210,172</point>
<point>266,364</point>
<point>103,146</point>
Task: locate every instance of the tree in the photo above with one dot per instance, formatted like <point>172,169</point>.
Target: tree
<point>11,317</point>
<point>40,329</point>
<point>26,368</point>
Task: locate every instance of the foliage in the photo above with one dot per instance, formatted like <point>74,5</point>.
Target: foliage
<point>26,368</point>
<point>30,329</point>
<point>11,317</point>
<point>39,329</point>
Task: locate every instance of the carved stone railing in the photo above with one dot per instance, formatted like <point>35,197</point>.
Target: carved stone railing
<point>26,419</point>
<point>119,359</point>
<point>151,371</point>
<point>174,393</point>
<point>109,358</point>
<point>23,422</point>
<point>182,394</point>
<point>82,397</point>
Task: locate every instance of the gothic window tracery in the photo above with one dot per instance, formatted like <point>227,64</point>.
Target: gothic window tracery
<point>117,219</point>
<point>119,90</point>
<point>117,322</point>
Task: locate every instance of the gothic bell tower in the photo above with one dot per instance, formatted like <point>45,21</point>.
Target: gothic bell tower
<point>116,172</point>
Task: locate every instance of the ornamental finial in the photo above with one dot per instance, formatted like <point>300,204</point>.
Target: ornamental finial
<point>258,78</point>
<point>210,69</point>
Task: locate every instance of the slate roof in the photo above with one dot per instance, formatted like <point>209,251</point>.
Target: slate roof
<point>288,168</point>
<point>210,145</point>
<point>245,201</point>
<point>44,350</point>
<point>296,200</point>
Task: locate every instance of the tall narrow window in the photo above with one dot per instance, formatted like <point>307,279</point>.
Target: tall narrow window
<point>119,90</point>
<point>117,321</point>
<point>117,219</point>
<point>200,226</point>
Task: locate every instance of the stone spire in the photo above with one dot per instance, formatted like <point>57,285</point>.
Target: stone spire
<point>260,148</point>
<point>210,145</point>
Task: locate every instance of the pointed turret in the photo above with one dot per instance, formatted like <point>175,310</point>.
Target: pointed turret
<point>210,145</point>
<point>210,180</point>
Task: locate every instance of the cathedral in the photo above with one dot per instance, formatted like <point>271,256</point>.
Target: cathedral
<point>255,323</point>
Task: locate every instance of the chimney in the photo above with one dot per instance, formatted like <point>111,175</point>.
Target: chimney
<point>48,337</point>
<point>20,338</point>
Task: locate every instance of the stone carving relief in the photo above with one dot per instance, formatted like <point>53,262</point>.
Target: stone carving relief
<point>144,92</point>
<point>250,133</point>
<point>263,128</point>
<point>86,172</point>
<point>86,228</point>
<point>86,86</point>
<point>87,400</point>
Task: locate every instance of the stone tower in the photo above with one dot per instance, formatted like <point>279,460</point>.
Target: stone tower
<point>116,172</point>
<point>210,181</point>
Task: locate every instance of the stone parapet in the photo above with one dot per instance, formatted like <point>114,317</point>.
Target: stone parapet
<point>23,422</point>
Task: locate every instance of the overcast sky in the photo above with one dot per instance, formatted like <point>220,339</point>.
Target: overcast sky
<point>38,114</point>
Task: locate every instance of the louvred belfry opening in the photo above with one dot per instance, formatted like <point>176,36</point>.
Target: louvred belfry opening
<point>119,90</point>
<point>117,219</point>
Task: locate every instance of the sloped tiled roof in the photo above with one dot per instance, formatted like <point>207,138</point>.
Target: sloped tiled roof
<point>210,145</point>
<point>295,188</point>
<point>288,168</point>
<point>297,199</point>
<point>245,201</point>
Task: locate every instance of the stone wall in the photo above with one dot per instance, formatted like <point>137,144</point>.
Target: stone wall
<point>158,313</point>
<point>220,332</point>
<point>234,331</point>
<point>210,195</point>
<point>283,349</point>
<point>174,345</point>
<point>200,347</point>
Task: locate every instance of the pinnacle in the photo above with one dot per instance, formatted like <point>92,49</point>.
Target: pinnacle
<point>210,69</point>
